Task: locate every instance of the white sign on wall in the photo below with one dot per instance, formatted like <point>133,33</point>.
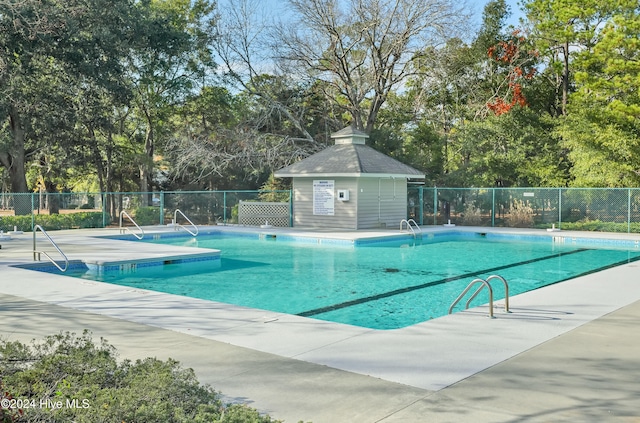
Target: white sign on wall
<point>323,198</point>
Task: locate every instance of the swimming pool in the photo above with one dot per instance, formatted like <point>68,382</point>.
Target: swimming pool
<point>379,285</point>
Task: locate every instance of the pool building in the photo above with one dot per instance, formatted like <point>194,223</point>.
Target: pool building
<point>349,185</point>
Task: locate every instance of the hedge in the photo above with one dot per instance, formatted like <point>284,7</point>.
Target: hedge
<point>52,221</point>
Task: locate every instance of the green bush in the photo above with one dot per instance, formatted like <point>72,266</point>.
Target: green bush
<point>235,213</point>
<point>595,226</point>
<point>22,223</point>
<point>68,369</point>
<point>146,215</point>
<point>52,221</point>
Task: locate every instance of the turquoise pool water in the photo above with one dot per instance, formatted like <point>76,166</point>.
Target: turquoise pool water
<point>383,285</point>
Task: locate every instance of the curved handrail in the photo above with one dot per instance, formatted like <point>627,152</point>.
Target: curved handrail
<point>124,228</point>
<point>38,253</point>
<point>506,290</point>
<point>177,225</point>
<point>410,227</point>
<point>473,282</point>
<point>415,224</point>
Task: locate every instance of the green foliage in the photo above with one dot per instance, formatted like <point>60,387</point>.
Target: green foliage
<point>274,190</point>
<point>516,148</point>
<point>602,131</point>
<point>53,221</point>
<point>146,215</point>
<point>21,223</point>
<point>595,226</point>
<point>235,213</point>
<point>75,370</point>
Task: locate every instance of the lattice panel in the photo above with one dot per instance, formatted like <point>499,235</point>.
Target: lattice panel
<point>256,214</point>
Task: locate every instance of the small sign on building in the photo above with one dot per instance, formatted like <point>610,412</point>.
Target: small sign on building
<point>323,197</point>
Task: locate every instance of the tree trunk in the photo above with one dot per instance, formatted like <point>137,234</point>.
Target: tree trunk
<point>565,79</point>
<point>53,198</point>
<point>14,161</point>
<point>97,159</point>
<point>146,167</point>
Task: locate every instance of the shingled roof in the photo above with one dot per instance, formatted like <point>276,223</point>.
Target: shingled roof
<point>349,157</point>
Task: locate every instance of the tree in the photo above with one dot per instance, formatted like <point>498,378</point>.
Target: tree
<point>362,50</point>
<point>44,49</point>
<point>602,129</point>
<point>171,55</point>
<point>249,142</point>
<point>242,43</point>
<point>562,28</point>
<point>517,148</point>
<point>25,29</point>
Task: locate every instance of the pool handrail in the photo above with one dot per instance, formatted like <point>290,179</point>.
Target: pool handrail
<point>177,225</point>
<point>506,291</point>
<point>410,227</point>
<point>37,253</point>
<point>488,285</point>
<point>471,284</point>
<point>123,229</point>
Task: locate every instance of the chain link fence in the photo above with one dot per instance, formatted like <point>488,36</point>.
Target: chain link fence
<point>22,211</point>
<point>588,209</point>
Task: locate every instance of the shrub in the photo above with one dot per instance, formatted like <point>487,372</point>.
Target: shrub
<point>69,369</point>
<point>520,215</point>
<point>274,190</point>
<point>146,215</point>
<point>22,223</point>
<point>597,226</point>
<point>235,213</point>
<point>472,215</point>
<point>53,221</point>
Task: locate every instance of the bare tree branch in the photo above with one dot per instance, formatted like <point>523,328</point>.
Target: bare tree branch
<point>363,48</point>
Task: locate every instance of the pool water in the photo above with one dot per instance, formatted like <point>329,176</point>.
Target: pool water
<point>381,286</point>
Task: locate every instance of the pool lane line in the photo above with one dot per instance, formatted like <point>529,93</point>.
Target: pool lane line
<point>404,290</point>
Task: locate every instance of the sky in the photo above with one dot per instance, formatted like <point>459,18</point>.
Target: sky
<point>276,7</point>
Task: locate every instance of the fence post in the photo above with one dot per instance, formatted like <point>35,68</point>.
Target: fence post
<point>33,216</point>
<point>421,201</point>
<point>559,208</point>
<point>291,207</point>
<point>224,207</point>
<point>435,206</point>
<point>162,207</point>
<point>103,200</point>
<point>493,207</point>
<point>629,211</point>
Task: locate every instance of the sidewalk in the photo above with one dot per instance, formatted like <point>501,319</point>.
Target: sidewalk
<point>587,375</point>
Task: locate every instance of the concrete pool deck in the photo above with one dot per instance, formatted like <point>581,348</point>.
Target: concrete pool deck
<point>567,352</point>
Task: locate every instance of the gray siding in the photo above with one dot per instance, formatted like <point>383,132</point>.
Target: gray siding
<point>382,202</point>
<point>373,203</point>
<point>344,211</point>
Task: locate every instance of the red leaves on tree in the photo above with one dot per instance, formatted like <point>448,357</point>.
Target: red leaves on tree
<point>509,53</point>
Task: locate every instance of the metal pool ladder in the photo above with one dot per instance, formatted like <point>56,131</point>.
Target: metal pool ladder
<point>412,226</point>
<point>484,283</point>
<point>36,253</point>
<point>177,225</point>
<point>124,229</point>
